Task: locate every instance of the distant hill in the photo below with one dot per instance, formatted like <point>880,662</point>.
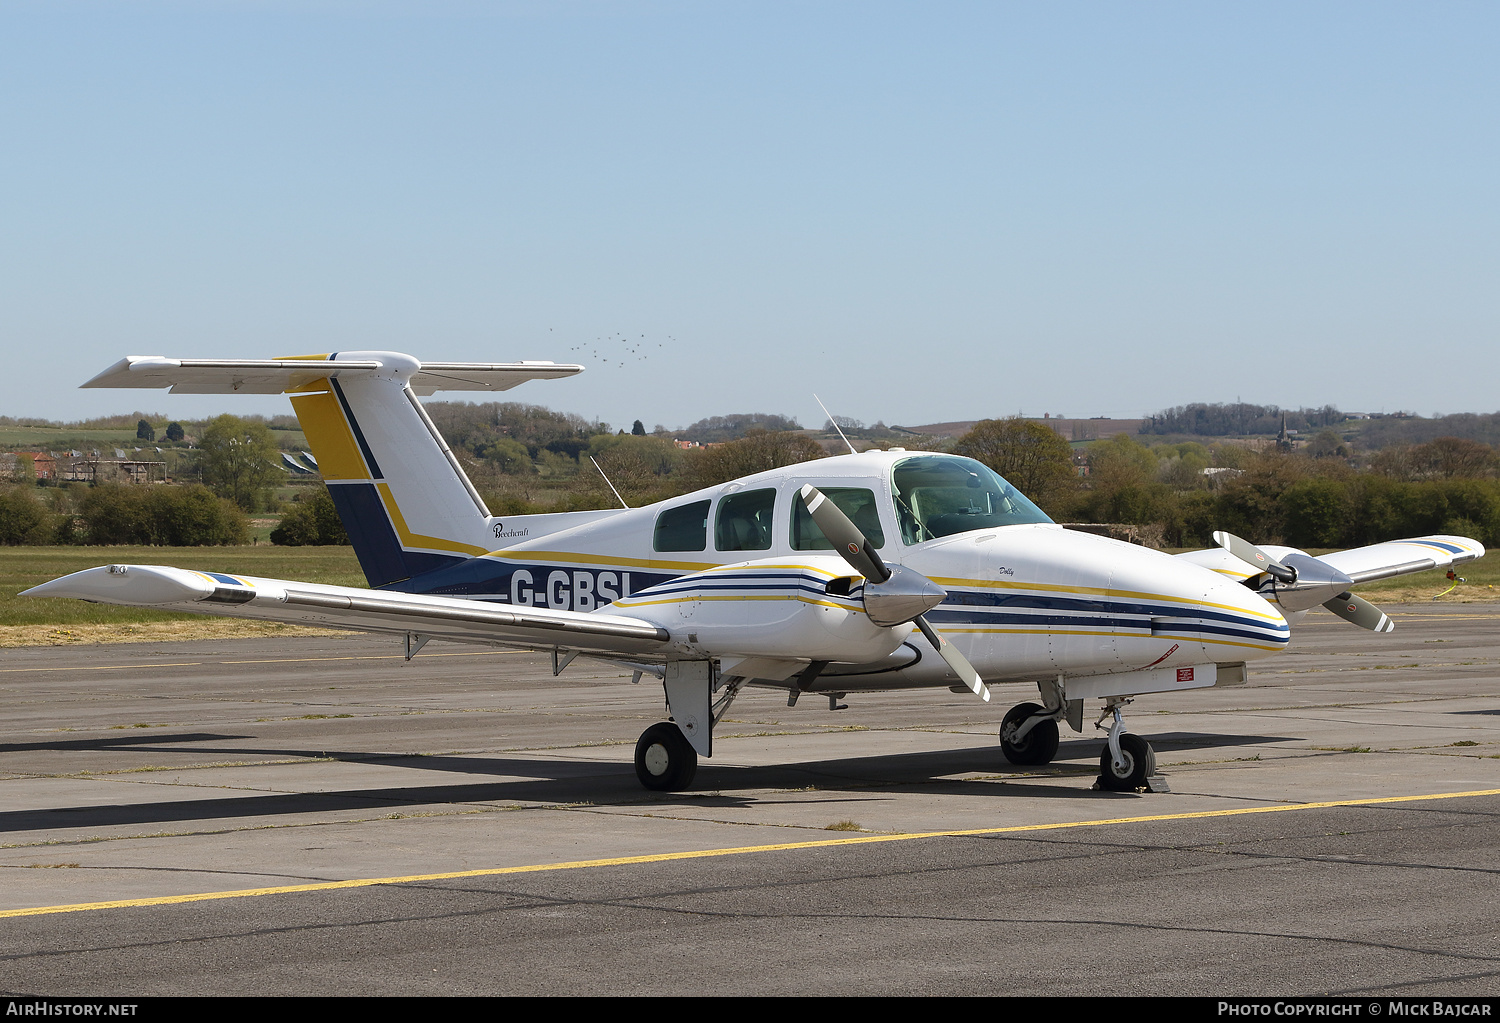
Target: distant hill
<point>1070,429</point>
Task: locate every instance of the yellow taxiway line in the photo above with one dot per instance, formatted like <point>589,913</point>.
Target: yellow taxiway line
<point>368,882</point>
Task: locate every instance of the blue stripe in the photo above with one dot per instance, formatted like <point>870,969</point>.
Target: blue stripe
<point>1094,605</point>
<point>359,435</point>
<point>1435,543</point>
<point>1141,629</point>
<point>370,532</point>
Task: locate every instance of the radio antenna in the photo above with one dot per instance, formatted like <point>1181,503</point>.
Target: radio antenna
<point>610,485</point>
<point>835,423</point>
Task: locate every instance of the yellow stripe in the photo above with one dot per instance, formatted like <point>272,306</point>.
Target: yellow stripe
<point>620,861</point>
<point>622,602</point>
<point>611,561</point>
<point>410,539</point>
<point>329,435</point>
<point>1081,632</point>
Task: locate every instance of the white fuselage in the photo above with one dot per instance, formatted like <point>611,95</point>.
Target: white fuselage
<point>1025,602</point>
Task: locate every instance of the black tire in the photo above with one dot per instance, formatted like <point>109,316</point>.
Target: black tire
<point>1140,764</point>
<point>1040,744</point>
<point>664,759</point>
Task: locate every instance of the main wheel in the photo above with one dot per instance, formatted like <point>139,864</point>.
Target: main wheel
<point>1140,764</point>
<point>664,759</point>
<point>1040,744</point>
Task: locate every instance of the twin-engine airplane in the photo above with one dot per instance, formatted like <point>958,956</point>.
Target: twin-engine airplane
<point>876,571</point>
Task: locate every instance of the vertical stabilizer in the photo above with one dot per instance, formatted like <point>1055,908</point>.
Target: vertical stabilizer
<point>403,498</point>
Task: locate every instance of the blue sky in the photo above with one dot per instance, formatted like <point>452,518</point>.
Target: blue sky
<point>921,211</point>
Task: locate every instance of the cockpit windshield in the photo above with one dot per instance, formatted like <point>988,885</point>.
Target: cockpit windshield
<point>938,495</point>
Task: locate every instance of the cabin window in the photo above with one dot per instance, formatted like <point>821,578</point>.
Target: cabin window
<point>938,495</point>
<point>856,502</point>
<point>744,521</point>
<point>684,528</point>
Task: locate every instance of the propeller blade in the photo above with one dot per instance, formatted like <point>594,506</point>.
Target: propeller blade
<point>957,661</point>
<point>863,558</point>
<point>1361,612</point>
<point>844,535</point>
<point>1255,557</point>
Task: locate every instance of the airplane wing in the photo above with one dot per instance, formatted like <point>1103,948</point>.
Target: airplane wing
<point>1401,557</point>
<point>345,607</point>
<point>1360,564</point>
<point>275,376</point>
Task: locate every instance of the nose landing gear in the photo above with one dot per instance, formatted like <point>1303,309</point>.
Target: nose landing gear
<point>1128,761</point>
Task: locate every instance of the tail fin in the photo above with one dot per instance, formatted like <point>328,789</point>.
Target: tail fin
<point>406,503</point>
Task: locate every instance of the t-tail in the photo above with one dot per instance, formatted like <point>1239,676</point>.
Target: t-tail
<point>405,501</point>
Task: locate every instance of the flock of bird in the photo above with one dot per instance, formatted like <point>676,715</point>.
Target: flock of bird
<point>637,349</point>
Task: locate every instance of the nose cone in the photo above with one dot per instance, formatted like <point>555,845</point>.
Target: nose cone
<point>1229,621</point>
<point>1240,624</point>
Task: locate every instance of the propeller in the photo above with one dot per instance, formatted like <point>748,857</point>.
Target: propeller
<point>1316,578</point>
<point>1361,612</point>
<point>1255,557</point>
<point>892,595</point>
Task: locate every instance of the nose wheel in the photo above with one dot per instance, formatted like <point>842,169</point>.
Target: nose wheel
<point>664,759</point>
<point>1128,762</point>
<point>1137,763</point>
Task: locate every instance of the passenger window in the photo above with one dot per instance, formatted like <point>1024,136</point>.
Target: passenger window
<point>744,521</point>
<point>684,528</point>
<point>855,502</point>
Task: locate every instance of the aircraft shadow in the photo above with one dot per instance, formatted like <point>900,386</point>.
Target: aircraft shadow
<point>562,781</point>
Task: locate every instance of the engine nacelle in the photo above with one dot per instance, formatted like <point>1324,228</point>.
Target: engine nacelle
<point>785,608</point>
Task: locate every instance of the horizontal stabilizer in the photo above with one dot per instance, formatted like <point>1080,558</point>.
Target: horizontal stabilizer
<point>276,376</point>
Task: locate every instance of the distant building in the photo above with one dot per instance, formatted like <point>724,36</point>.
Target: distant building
<point>117,470</point>
<point>43,464</point>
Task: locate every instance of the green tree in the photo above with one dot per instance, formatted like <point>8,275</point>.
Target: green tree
<point>144,431</point>
<point>506,455</point>
<point>1033,457</point>
<point>23,520</point>
<point>311,521</point>
<point>175,432</point>
<point>757,451</point>
<point>638,429</point>
<point>115,513</point>
<point>239,460</point>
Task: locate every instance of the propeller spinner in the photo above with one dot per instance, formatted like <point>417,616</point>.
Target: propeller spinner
<point>893,595</point>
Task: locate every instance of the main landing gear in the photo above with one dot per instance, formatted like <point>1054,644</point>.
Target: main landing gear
<point>1028,735</point>
<point>664,759</point>
<point>666,754</point>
